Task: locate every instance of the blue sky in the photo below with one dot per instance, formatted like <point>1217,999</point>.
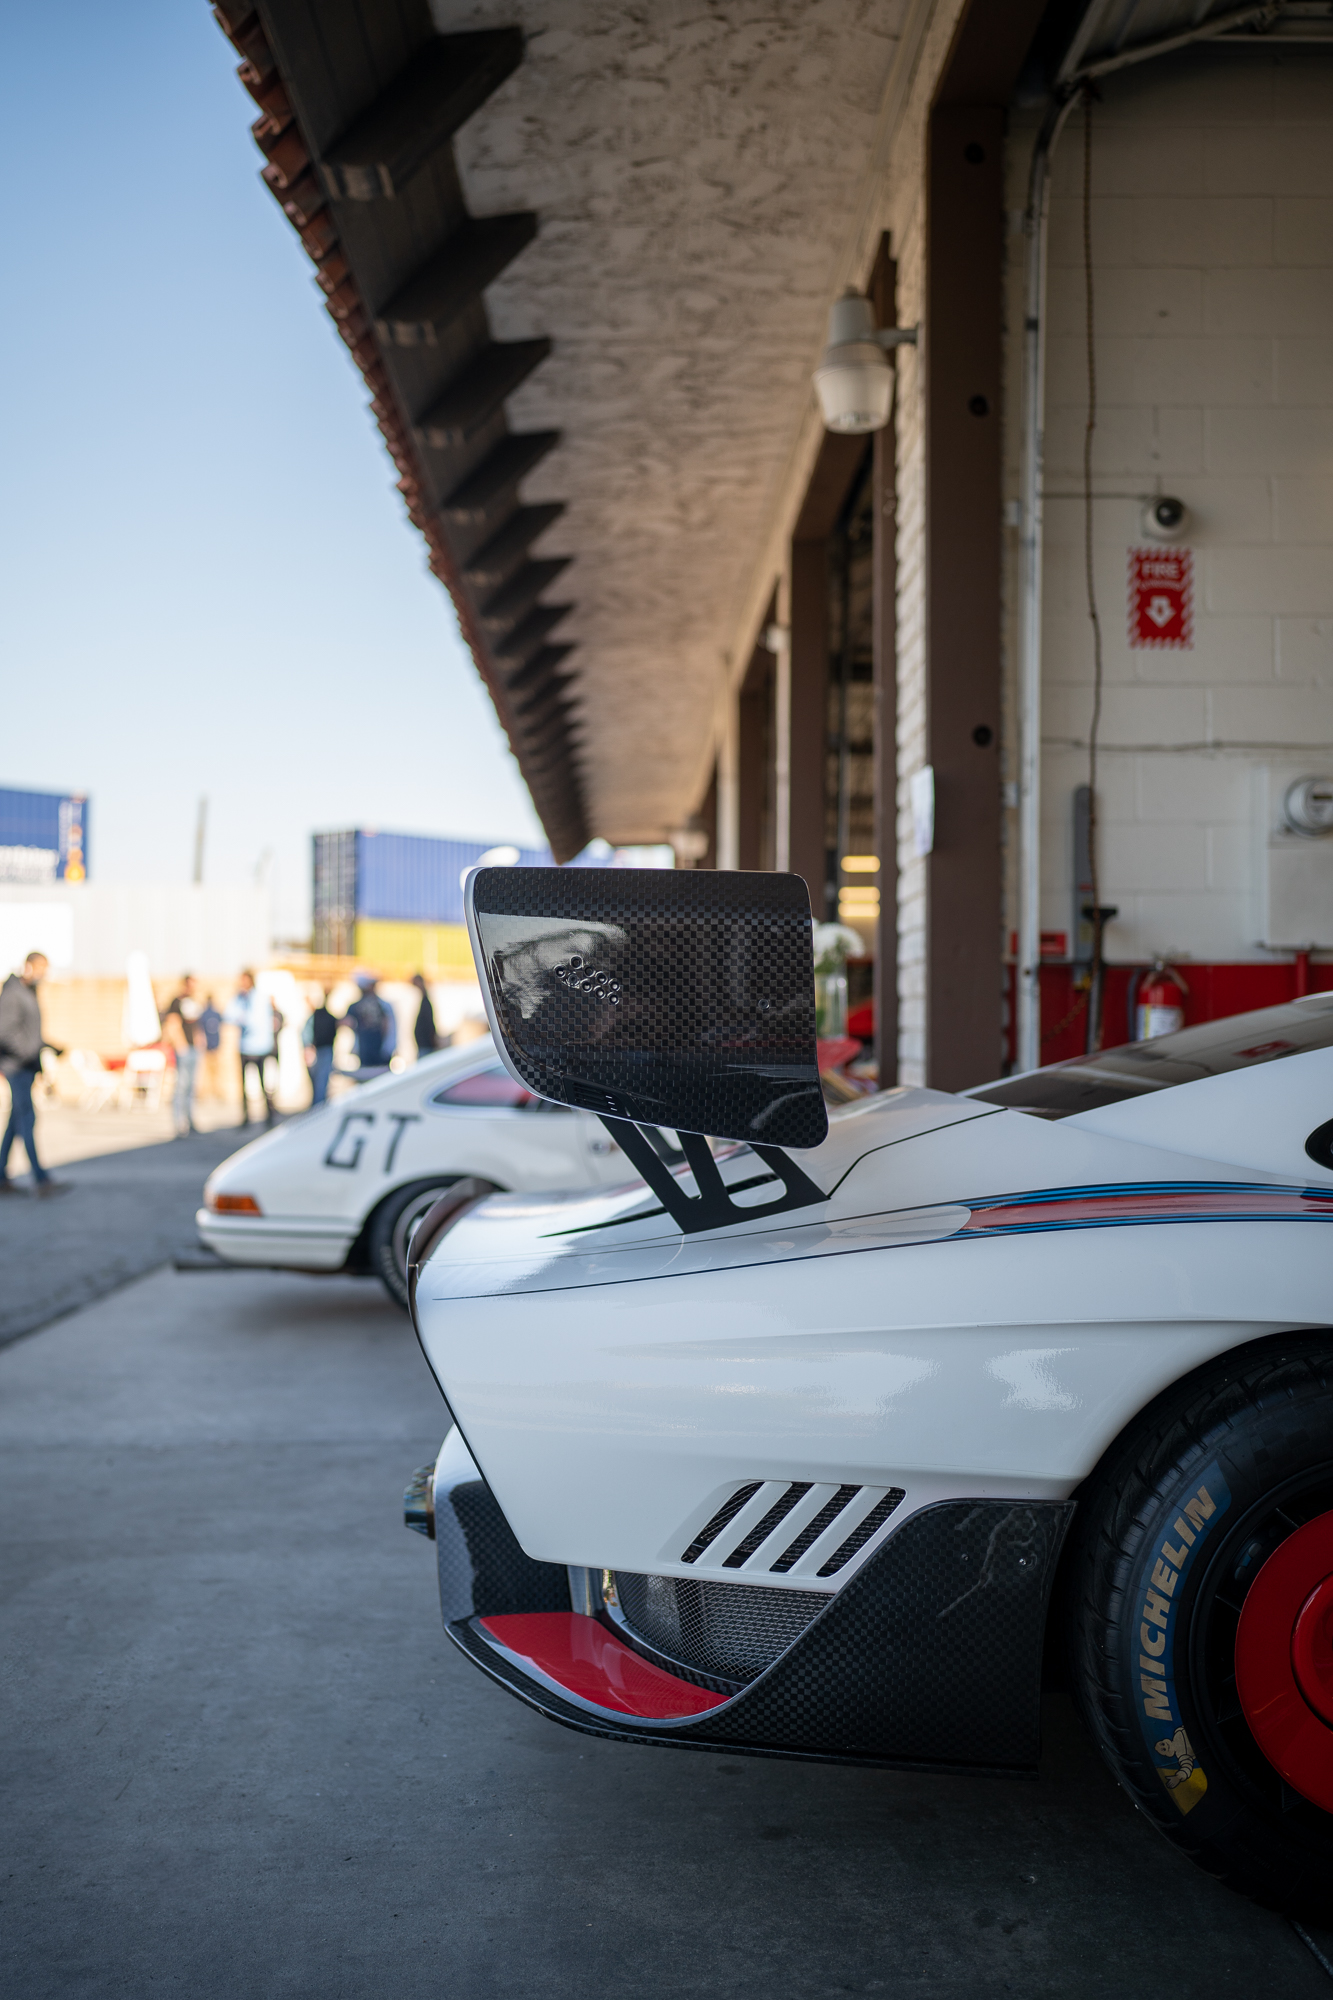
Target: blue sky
<point>209,583</point>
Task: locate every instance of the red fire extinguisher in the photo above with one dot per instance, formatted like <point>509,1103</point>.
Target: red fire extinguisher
<point>1156,1003</point>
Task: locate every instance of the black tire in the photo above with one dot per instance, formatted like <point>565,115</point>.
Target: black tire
<point>391,1228</point>
<point>1241,1455</point>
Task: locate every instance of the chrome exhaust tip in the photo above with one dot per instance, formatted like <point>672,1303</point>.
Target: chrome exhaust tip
<point>419,1502</point>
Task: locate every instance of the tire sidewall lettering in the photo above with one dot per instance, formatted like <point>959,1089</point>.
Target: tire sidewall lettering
<point>1188,1525</point>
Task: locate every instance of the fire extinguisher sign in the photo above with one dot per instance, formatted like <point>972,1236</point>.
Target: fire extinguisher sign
<point>1161,598</point>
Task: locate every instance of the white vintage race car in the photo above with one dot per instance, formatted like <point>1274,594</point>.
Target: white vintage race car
<point>343,1187</point>
<point>843,1458</point>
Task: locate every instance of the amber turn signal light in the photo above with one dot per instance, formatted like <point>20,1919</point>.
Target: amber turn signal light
<point>234,1204</point>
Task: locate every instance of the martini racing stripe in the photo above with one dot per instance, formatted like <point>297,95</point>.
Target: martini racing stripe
<point>1133,1204</point>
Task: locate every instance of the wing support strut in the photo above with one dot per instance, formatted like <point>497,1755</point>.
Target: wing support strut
<point>712,1207</point>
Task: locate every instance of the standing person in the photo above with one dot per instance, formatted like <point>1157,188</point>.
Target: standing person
<point>185,1037</point>
<point>318,1035</point>
<point>209,1045</point>
<point>369,1017</point>
<point>254,1014</point>
<point>425,1033</point>
<point>21,1045</point>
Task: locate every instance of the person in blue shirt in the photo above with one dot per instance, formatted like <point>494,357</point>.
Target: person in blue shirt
<point>257,1018</point>
<point>210,1028</point>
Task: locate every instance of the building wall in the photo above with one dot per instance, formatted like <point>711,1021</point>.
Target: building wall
<point>88,929</point>
<point>1213,247</point>
<point>1212,229</point>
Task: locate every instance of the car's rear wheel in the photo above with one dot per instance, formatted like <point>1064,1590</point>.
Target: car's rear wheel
<point>1201,1610</point>
<point>391,1228</point>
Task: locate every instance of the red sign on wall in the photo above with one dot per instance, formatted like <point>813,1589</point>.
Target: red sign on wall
<point>1161,597</point>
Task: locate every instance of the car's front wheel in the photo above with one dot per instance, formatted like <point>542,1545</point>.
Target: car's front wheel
<point>391,1228</point>
<point>1201,1607</point>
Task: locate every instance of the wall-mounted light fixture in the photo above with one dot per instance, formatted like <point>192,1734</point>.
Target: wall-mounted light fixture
<point>1307,807</point>
<point>854,381</point>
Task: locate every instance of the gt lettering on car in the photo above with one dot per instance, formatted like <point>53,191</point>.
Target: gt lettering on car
<point>349,1144</point>
<point>1183,1776</point>
<point>399,1119</point>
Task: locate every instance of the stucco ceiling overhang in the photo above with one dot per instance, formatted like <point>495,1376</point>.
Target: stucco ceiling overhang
<point>583,252</point>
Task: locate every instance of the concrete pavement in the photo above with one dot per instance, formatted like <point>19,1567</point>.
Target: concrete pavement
<point>68,1132</point>
<point>126,1211</point>
<point>242,1760</point>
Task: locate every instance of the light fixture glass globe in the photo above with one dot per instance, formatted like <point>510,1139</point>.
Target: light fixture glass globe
<point>855,388</point>
<point>854,381</point>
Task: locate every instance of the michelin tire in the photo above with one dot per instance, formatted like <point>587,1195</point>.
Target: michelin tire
<point>1175,1529</point>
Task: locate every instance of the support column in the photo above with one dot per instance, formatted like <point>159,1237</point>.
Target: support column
<point>962,333</point>
<point>808,725</point>
<point>964,998</point>
<point>728,791</point>
<point>802,825</point>
<point>754,730</point>
<point>708,823</point>
<point>883,290</point>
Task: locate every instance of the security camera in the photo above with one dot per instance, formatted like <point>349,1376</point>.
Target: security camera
<point>1165,519</point>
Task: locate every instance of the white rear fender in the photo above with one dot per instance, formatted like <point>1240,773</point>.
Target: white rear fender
<point>611,1422</point>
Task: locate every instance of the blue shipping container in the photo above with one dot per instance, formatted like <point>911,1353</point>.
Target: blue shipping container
<point>41,824</point>
<point>413,878</point>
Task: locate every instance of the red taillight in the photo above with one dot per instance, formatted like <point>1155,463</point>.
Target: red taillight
<point>234,1204</point>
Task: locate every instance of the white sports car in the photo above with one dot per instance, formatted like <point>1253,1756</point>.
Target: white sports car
<point>842,1459</point>
<point>343,1187</point>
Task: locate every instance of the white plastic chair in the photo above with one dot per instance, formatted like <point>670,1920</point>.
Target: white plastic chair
<point>99,1085</point>
<point>144,1073</point>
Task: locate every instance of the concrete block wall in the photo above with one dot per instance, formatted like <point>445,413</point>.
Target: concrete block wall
<point>1212,226</point>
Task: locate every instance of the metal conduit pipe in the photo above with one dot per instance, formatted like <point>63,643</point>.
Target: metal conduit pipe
<point>1029,620</point>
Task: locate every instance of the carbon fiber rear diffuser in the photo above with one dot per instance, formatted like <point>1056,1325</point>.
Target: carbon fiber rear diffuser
<point>936,1642</point>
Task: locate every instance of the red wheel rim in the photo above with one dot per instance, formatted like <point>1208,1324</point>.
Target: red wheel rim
<point>1284,1660</point>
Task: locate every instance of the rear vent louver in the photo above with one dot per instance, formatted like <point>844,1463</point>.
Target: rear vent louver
<point>862,1532</point>
<point>825,1518</point>
<point>723,1518</point>
<point>763,1529</point>
<point>797,1528</point>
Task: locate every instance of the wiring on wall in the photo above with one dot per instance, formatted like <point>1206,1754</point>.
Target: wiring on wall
<point>1097,912</point>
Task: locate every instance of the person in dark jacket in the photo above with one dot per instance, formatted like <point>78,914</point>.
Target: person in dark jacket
<point>318,1035</point>
<point>373,1025</point>
<point>425,1034</point>
<point>21,1045</point>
